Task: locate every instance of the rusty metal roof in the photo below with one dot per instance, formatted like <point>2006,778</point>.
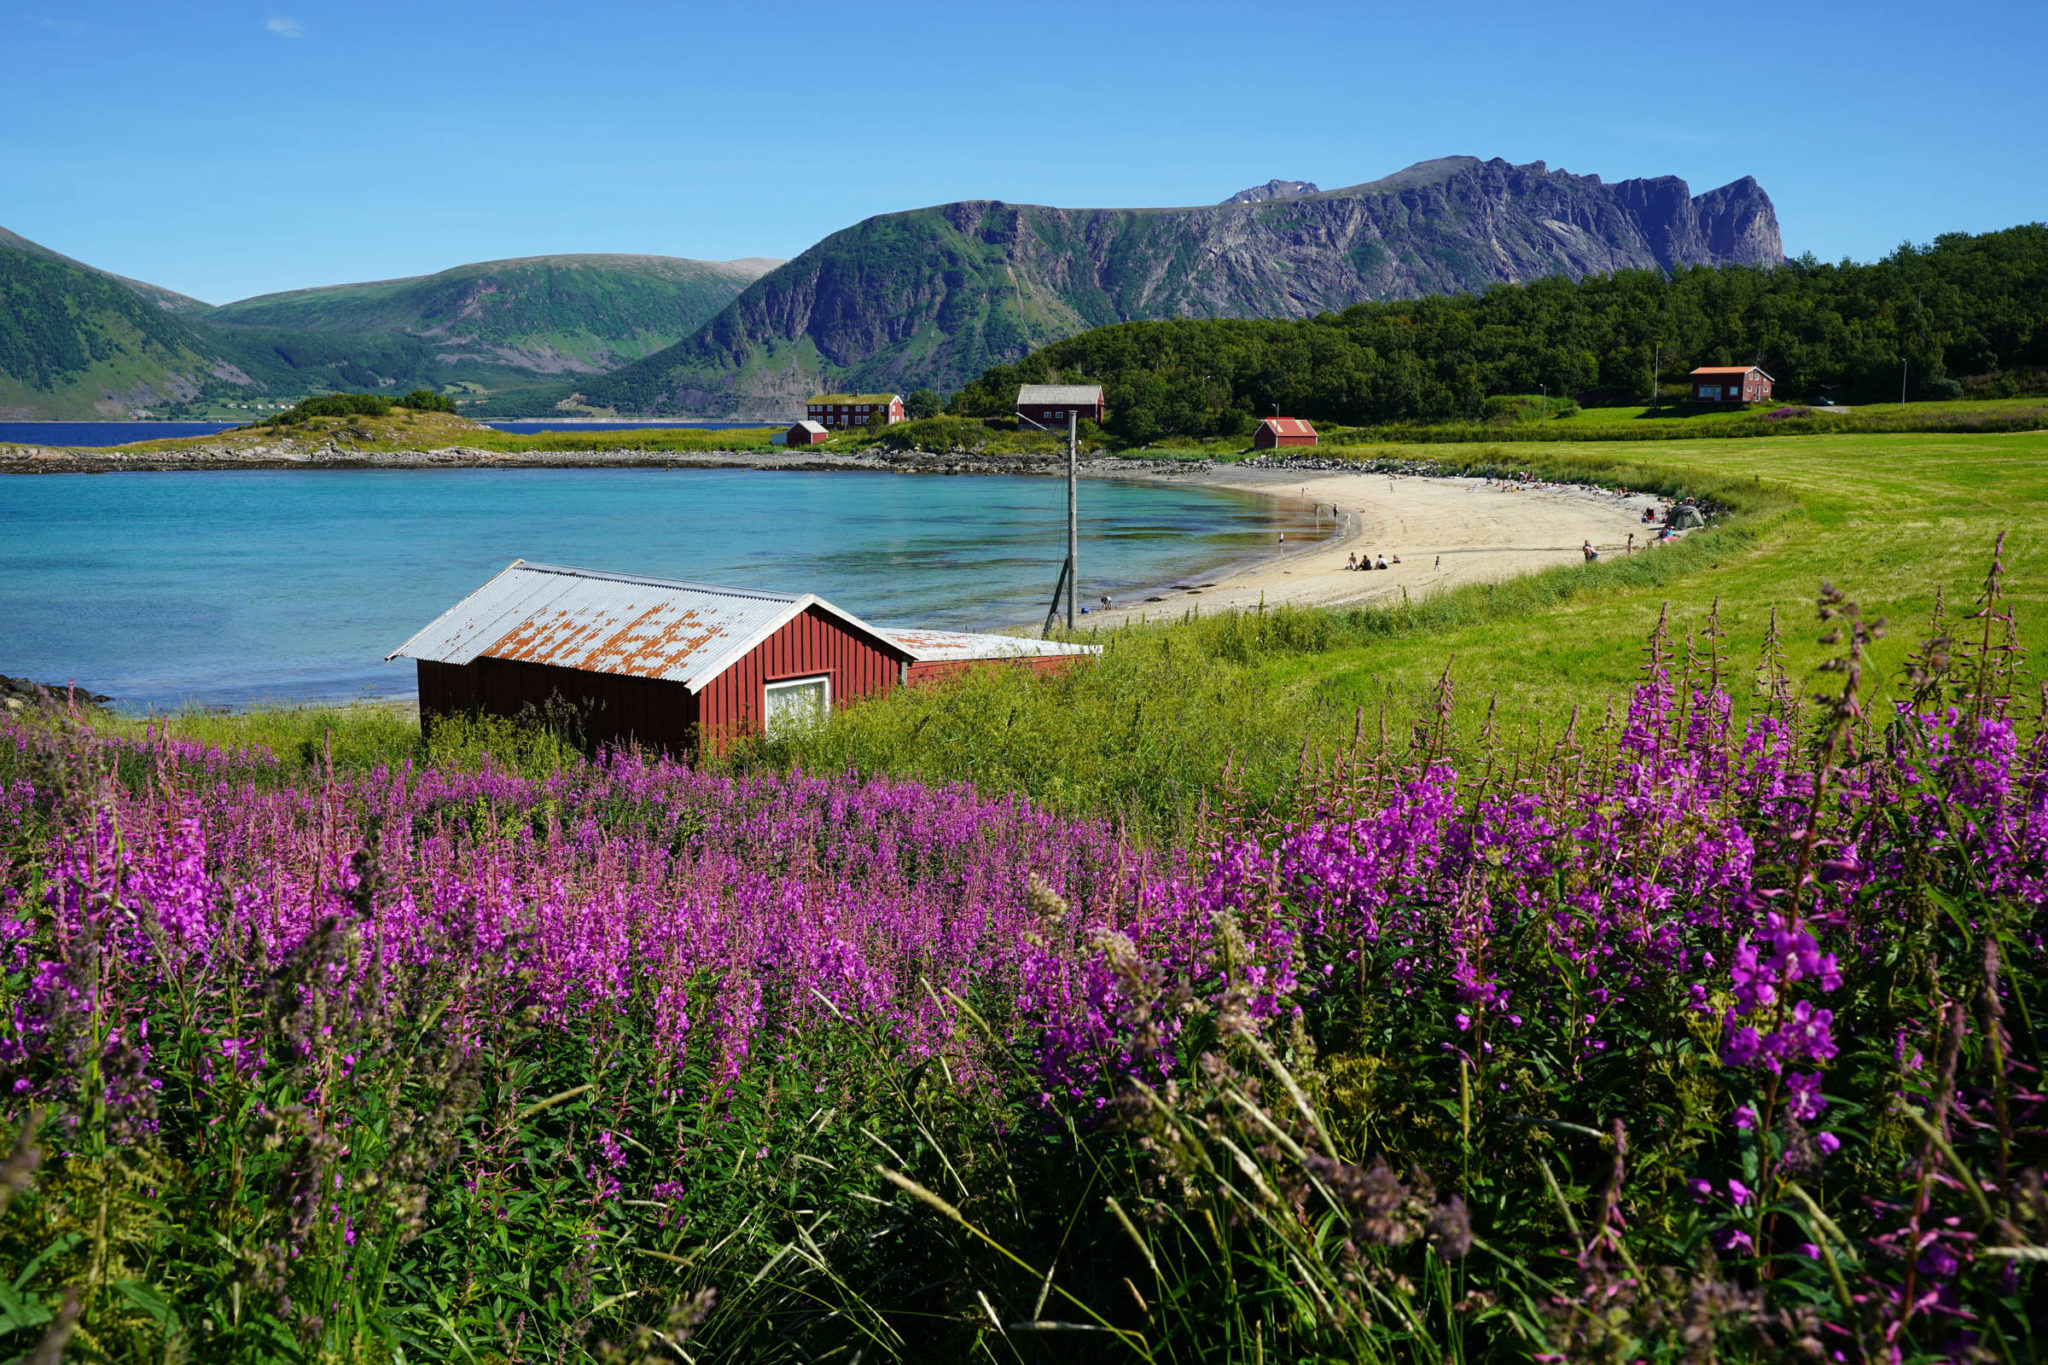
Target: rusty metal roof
<point>939,646</point>
<point>613,623</point>
<point>1072,395</point>
<point>1289,426</point>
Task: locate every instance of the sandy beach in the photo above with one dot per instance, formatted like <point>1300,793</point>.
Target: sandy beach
<point>1446,532</point>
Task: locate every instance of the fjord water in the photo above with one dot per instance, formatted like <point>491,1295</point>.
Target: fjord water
<point>233,587</point>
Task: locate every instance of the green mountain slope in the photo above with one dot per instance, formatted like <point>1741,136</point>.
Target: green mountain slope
<point>541,315</point>
<point>934,296</point>
<point>76,342</point>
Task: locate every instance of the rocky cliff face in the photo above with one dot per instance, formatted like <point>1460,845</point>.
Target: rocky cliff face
<point>934,296</point>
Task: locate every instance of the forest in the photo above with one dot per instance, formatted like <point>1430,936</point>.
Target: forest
<point>1966,314</point>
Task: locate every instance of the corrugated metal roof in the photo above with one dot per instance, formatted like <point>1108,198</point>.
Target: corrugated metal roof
<point>612,623</point>
<point>1077,395</point>
<point>938,646</point>
<point>1726,369</point>
<point>1289,426</point>
<point>812,427</point>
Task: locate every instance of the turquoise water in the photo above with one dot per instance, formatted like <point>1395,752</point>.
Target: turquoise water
<point>226,588</point>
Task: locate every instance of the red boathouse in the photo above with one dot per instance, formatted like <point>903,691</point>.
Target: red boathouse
<point>672,665</point>
<point>1275,432</point>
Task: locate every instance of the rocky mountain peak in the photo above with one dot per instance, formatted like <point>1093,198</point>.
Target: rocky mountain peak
<point>1274,189</point>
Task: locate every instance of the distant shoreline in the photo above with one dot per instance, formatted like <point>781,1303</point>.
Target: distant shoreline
<point>63,460</point>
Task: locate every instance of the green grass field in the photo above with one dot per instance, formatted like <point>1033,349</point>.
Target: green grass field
<point>1888,519</point>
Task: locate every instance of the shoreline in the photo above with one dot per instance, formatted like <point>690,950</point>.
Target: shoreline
<point>1446,531</point>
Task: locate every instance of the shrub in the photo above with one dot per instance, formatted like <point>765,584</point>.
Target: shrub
<point>426,400</point>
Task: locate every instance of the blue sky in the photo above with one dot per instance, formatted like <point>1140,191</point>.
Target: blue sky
<point>231,149</point>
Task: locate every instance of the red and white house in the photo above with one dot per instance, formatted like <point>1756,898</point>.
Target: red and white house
<point>1275,432</point>
<point>675,665</point>
<point>854,410</point>
<point>1730,384</point>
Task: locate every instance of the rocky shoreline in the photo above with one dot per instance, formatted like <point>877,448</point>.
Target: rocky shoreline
<point>21,694</point>
<point>286,455</point>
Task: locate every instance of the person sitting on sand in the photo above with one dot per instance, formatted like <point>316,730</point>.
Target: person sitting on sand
<point>1397,559</point>
<point>1383,562</point>
<point>1352,562</point>
<point>1589,552</point>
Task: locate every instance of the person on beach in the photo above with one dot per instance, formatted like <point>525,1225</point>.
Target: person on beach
<point>1439,562</point>
<point>1383,562</point>
<point>1589,552</point>
<point>1107,605</point>
<point>1351,562</point>
<point>1397,559</point>
<point>1630,548</point>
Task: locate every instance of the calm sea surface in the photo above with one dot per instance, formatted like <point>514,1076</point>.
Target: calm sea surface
<point>226,588</point>
<point>120,433</point>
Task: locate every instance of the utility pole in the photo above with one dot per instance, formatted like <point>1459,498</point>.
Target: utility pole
<point>1902,381</point>
<point>1070,571</point>
<point>1656,364</point>
<point>1543,408</point>
<point>1073,513</point>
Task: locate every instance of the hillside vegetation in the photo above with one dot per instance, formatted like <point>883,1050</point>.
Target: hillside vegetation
<point>80,342</point>
<point>1966,310</point>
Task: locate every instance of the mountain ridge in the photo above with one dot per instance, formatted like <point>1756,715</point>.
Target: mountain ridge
<point>932,296</point>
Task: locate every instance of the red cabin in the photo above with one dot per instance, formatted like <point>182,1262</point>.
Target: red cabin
<point>675,665</point>
<point>807,433</point>
<point>1730,384</point>
<point>647,660</point>
<point>1275,432</point>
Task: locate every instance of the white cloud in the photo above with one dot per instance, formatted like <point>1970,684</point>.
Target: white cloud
<point>285,28</point>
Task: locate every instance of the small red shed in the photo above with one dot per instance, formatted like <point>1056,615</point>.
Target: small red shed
<point>667,664</point>
<point>1730,384</point>
<point>936,654</point>
<point>807,433</point>
<point>1275,432</point>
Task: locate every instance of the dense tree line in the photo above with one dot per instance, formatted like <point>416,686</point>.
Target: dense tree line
<point>1966,310</point>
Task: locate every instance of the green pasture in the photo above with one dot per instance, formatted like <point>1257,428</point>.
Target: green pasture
<point>1887,519</point>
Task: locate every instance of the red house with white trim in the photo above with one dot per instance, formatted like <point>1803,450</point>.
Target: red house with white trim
<point>1730,384</point>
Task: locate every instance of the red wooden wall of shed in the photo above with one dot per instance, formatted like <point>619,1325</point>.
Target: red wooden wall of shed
<point>811,644</point>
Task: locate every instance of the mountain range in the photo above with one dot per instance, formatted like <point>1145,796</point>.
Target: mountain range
<point>80,342</point>
<point>924,298</point>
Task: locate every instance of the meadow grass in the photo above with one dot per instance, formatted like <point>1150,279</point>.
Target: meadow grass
<point>1145,734</point>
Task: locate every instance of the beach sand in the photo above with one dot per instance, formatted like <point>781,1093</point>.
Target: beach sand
<point>1447,532</point>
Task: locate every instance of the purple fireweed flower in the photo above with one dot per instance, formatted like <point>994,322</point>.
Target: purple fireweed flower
<point>1803,1096</point>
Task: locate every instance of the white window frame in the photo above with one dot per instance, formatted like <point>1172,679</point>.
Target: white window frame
<point>768,690</point>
